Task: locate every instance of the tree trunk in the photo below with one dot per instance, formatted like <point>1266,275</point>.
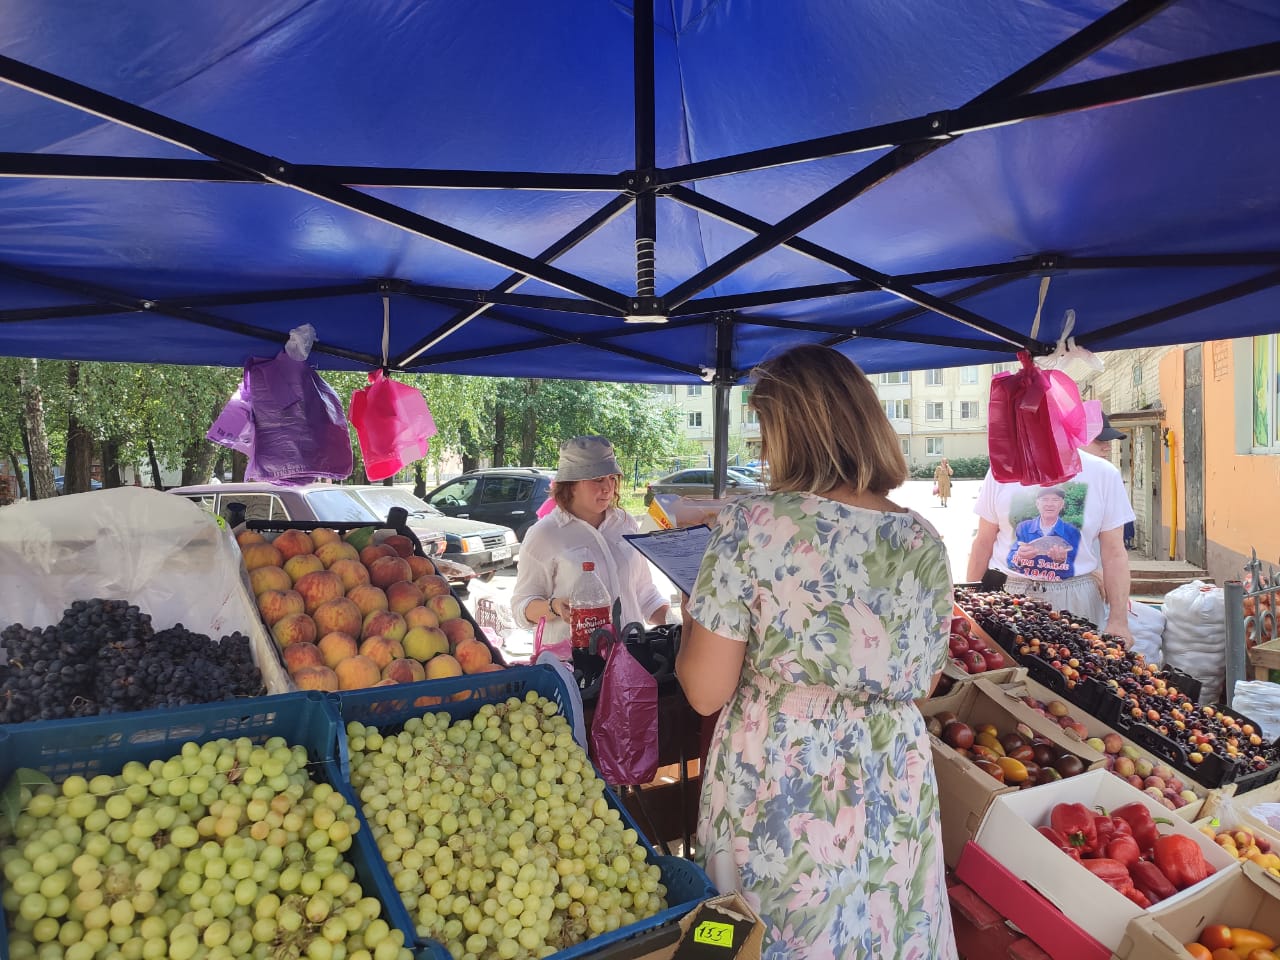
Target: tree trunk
<point>111,475</point>
<point>500,435</point>
<point>157,481</point>
<point>220,464</point>
<point>470,455</point>
<point>78,469</point>
<point>38,459</point>
<point>197,462</point>
<point>419,481</point>
<point>529,426</point>
<point>15,463</point>
<point>239,464</point>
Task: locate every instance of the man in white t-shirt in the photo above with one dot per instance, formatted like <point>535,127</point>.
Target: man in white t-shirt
<point>1051,541</point>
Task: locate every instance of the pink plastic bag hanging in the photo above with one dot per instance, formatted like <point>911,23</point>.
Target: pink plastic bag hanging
<point>1036,425</point>
<point>624,730</point>
<point>393,424</point>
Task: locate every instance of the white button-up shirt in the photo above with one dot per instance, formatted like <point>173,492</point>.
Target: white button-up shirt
<point>551,559</point>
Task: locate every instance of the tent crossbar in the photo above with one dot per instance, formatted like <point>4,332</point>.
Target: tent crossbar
<point>855,333</point>
<point>113,109</point>
<point>1192,74</point>
<point>69,312</point>
<point>556,249</point>
<point>1041,70</point>
<point>1182,308</point>
<point>97,167</point>
<point>455,295</point>
<point>552,339</point>
<point>875,278</point>
<point>120,302</point>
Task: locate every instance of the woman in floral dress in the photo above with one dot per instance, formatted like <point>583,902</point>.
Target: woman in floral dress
<point>821,611</point>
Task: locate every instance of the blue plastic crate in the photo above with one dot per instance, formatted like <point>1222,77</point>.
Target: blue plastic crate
<point>95,745</point>
<point>387,709</point>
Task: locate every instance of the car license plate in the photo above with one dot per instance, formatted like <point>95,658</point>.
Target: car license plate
<point>500,553</point>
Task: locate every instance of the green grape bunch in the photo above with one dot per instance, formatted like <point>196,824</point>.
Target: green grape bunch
<point>497,832</point>
<point>226,851</point>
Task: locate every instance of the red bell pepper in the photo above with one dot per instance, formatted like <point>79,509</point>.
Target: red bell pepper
<point>1059,841</point>
<point>1075,822</point>
<point>1124,849</point>
<point>1140,820</point>
<point>1108,828</point>
<point>1147,877</point>
<point>1115,875</point>
<point>1179,858</point>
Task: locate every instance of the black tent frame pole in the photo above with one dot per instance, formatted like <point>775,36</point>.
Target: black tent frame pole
<point>646,157</point>
<point>1041,70</point>
<point>146,121</point>
<point>721,384</point>
<point>557,249</point>
<point>881,281</point>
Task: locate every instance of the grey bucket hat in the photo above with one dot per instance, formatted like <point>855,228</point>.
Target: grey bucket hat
<point>585,458</point>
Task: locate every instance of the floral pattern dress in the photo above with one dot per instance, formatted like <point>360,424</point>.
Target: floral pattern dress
<point>819,801</point>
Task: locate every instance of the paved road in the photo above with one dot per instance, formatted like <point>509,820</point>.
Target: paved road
<point>956,525</point>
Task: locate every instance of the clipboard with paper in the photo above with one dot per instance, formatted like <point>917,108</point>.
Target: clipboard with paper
<point>677,553</point>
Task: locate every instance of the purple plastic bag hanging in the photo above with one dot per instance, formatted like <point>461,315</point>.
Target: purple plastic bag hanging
<point>290,420</point>
<point>624,730</point>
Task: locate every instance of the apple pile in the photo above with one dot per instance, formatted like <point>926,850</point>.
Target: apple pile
<point>347,618</point>
<point>970,652</point>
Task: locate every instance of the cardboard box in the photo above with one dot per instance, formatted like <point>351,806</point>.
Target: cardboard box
<point>1035,916</point>
<point>722,928</point>
<point>1026,687</point>
<point>1009,834</point>
<point>1242,805</point>
<point>1249,897</point>
<point>964,791</point>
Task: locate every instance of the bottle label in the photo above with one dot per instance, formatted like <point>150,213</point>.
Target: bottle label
<point>583,622</point>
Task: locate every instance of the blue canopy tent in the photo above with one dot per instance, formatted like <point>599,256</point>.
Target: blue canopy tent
<point>634,191</point>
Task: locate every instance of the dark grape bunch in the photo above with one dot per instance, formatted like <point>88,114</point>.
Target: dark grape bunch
<point>104,656</point>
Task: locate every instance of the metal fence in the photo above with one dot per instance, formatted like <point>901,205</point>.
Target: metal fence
<point>1251,615</point>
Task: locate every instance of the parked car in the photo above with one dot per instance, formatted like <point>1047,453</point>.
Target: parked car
<point>509,496</point>
<point>59,482</point>
<point>322,503</point>
<point>484,547</point>
<point>699,483</point>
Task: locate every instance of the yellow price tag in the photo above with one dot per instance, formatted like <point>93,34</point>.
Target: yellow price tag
<point>716,934</point>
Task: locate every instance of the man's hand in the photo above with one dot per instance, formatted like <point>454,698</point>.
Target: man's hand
<point>1120,629</point>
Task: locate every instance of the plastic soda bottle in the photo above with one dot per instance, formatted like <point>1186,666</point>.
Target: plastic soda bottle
<point>589,607</point>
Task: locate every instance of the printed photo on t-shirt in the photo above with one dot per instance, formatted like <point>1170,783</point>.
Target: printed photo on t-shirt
<point>1046,525</point>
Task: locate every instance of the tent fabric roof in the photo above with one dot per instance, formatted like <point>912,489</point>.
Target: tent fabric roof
<point>184,183</point>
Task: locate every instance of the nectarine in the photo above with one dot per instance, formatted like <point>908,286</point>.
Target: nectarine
<point>355,673</point>
<point>291,543</point>
<point>319,587</point>
<point>295,628</point>
<point>269,578</point>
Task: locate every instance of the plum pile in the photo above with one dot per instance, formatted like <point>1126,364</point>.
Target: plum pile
<point>104,656</point>
<point>1075,648</point>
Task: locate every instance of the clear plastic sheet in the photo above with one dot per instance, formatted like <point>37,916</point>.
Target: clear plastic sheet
<point>156,550</point>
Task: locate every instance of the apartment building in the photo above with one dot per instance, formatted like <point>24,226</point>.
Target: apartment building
<point>936,413</point>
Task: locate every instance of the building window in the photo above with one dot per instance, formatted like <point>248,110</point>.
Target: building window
<point>933,378</point>
<point>897,409</point>
<point>666,388</point>
<point>695,418</point>
<point>933,411</point>
<point>749,415</point>
<point>694,391</point>
<point>1266,393</point>
<point>968,374</point>
<point>933,446</point>
<point>968,409</point>
<point>906,446</point>
<point>893,378</point>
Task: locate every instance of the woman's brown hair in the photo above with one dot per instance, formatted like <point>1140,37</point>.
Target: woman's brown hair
<point>822,425</point>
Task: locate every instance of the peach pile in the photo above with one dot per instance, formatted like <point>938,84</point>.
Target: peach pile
<point>345,619</point>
